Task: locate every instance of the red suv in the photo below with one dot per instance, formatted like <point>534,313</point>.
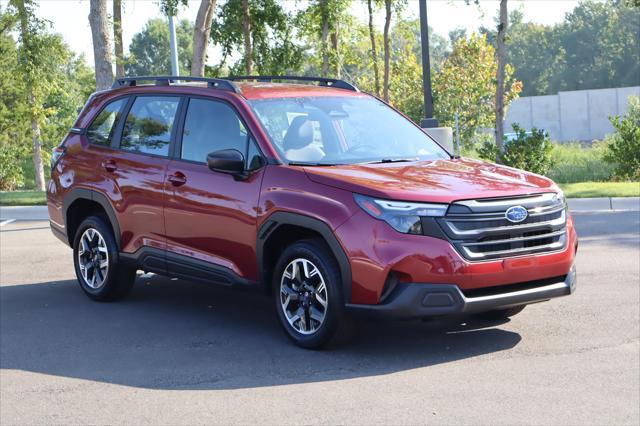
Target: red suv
<point>324,196</point>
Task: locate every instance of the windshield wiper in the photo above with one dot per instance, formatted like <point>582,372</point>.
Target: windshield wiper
<point>392,160</point>
<point>304,163</point>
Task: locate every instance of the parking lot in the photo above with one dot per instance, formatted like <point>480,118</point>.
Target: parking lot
<point>182,353</point>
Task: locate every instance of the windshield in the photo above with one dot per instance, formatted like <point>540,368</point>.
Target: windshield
<point>342,130</point>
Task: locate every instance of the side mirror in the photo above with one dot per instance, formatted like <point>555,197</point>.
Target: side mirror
<point>229,161</point>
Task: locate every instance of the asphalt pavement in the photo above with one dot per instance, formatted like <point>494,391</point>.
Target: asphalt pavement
<point>176,352</point>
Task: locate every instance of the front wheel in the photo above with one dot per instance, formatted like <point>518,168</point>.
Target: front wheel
<point>308,293</point>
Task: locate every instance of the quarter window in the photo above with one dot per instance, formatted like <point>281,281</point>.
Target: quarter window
<point>100,131</point>
<point>211,126</point>
<point>149,124</point>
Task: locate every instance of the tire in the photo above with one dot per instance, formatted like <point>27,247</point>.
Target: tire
<point>317,322</point>
<point>100,273</point>
<point>501,314</point>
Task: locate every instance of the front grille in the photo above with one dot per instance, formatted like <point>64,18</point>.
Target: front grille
<point>479,229</point>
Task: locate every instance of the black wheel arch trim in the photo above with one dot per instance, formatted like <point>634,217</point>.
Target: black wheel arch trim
<point>280,218</point>
<point>95,196</point>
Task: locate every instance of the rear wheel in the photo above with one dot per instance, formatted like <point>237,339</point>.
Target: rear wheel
<point>100,273</point>
<point>307,293</point>
<point>501,313</point>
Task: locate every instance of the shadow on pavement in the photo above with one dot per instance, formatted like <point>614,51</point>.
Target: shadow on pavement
<point>179,335</point>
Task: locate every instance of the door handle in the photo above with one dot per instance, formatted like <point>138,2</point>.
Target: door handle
<point>109,165</point>
<point>177,179</point>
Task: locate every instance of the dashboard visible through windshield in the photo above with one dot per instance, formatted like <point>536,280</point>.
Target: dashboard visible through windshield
<point>342,130</point>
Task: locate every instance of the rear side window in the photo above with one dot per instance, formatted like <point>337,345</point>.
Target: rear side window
<point>100,131</point>
<point>148,126</point>
<point>211,126</point>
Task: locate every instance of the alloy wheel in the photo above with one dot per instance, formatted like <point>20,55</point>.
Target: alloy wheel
<point>303,296</point>
<point>93,258</point>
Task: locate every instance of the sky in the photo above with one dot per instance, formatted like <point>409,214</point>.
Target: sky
<point>69,17</point>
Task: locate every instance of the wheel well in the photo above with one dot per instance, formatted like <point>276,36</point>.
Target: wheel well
<point>277,242</point>
<point>78,211</point>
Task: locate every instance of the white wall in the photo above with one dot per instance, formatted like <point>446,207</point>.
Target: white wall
<point>578,115</point>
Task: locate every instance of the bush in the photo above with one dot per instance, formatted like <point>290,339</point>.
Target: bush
<point>624,149</point>
<point>527,152</point>
<point>574,162</point>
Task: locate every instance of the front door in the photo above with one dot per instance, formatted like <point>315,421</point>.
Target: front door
<point>210,217</point>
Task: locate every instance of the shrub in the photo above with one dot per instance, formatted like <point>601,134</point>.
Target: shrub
<point>531,152</point>
<point>624,149</point>
<point>573,162</point>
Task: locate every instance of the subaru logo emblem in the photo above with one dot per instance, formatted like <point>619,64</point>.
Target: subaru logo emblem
<point>516,214</point>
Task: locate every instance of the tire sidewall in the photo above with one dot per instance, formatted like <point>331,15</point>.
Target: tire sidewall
<point>108,287</point>
<point>326,264</point>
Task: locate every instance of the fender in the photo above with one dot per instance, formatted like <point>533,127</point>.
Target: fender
<point>89,194</point>
<point>277,219</point>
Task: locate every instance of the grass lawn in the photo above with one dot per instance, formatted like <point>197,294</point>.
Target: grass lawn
<point>601,189</point>
<point>22,198</point>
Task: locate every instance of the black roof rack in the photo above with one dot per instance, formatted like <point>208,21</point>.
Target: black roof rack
<point>328,82</point>
<point>167,80</point>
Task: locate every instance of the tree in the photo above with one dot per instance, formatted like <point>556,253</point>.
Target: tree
<point>101,43</point>
<point>269,48</point>
<point>149,52</point>
<point>201,33</point>
<point>387,51</point>
<point>325,24</point>
<point>246,32</point>
<point>117,37</point>
<point>501,55</point>
<point>623,148</point>
<point>466,85</point>
<point>374,53</point>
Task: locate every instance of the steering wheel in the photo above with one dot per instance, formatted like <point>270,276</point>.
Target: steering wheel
<point>360,147</point>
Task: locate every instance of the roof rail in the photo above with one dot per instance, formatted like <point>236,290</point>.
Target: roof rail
<point>167,80</point>
<point>328,82</point>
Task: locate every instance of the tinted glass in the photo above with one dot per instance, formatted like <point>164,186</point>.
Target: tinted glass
<point>100,131</point>
<point>148,125</point>
<point>342,130</point>
<point>211,126</point>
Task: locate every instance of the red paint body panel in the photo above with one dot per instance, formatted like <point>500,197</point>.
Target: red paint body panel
<point>215,218</point>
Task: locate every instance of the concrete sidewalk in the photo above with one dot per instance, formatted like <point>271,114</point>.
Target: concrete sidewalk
<point>576,205</point>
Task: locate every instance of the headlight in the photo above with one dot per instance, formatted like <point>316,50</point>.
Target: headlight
<point>403,216</point>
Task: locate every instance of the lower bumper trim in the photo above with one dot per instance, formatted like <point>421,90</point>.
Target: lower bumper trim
<point>412,300</point>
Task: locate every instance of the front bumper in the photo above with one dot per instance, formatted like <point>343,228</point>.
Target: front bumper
<point>428,300</point>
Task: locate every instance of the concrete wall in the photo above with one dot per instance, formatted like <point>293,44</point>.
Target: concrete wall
<point>579,115</point>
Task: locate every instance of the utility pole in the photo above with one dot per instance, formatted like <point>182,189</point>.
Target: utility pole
<point>174,47</point>
<point>428,121</point>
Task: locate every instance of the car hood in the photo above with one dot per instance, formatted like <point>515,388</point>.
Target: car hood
<point>440,181</point>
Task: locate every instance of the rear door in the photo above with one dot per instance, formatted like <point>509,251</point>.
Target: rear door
<point>210,217</point>
<point>137,168</point>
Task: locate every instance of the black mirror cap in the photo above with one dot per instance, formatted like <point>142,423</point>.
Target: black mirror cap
<point>226,161</point>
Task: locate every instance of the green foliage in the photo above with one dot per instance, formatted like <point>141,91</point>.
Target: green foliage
<point>624,149</point>
<point>574,162</point>
<point>595,47</point>
<point>466,86</point>
<point>149,51</point>
<point>531,152</point>
<point>61,84</point>
<point>272,35</point>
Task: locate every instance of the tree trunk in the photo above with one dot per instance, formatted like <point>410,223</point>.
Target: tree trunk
<point>101,44</point>
<point>37,143</point>
<point>117,37</point>
<point>387,52</point>
<point>201,33</point>
<point>325,40</point>
<point>501,53</point>
<point>246,28</point>
<point>335,45</point>
<point>374,53</point>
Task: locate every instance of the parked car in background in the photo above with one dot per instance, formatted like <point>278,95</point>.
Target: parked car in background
<point>325,197</point>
